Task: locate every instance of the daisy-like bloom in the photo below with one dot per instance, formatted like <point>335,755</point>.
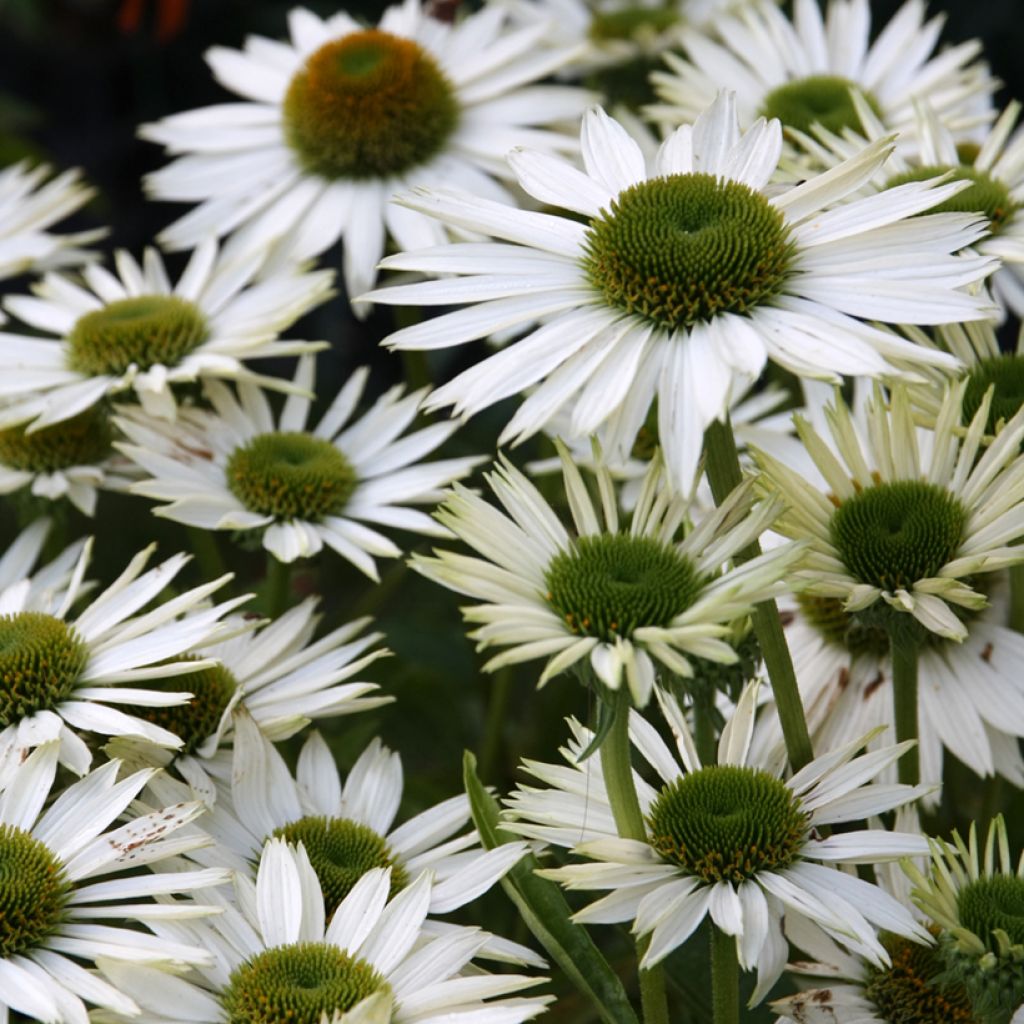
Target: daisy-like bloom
<point>238,469</point>
<point>62,672</point>
<point>685,279</point>
<point>281,677</point>
<point>975,896</point>
<point>730,839</point>
<point>802,71</point>
<point>905,529</point>
<point>993,168</point>
<point>342,116</point>
<point>135,331</point>
<point>347,829</point>
<point>72,459</point>
<point>914,986</point>
<point>70,885</point>
<point>623,598</point>
<point>28,208</point>
<point>279,959</point>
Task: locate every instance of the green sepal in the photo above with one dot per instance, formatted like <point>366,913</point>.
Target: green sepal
<point>546,913</point>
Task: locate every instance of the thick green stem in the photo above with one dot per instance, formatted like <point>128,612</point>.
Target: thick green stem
<point>722,464</point>
<point>703,724</point>
<point>725,978</point>
<point>903,652</point>
<point>207,551</point>
<point>499,694</point>
<point>617,771</point>
<point>1017,598</point>
<point>277,594</point>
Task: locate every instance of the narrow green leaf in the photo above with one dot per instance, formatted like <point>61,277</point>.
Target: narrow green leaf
<point>546,913</point>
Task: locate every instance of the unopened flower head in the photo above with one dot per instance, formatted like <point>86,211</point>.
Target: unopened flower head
<point>804,71</point>
<point>341,116</point>
<point>683,280</point>
<point>241,468</point>
<point>731,840</point>
<point>619,597</point>
<point>136,332</point>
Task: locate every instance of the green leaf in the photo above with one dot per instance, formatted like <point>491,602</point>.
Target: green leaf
<point>546,913</point>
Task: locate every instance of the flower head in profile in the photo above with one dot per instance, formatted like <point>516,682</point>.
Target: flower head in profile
<point>341,116</point>
<point>280,958</point>
<point>684,278</point>
<point>29,206</point>
<point>240,468</point>
<point>730,840</point>
<point>621,597</point>
<point>905,529</point>
<point>67,672</point>
<point>72,893</point>
<point>137,332</point>
<point>804,71</point>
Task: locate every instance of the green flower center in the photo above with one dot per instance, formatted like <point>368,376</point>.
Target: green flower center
<point>368,105</point>
<point>41,659</point>
<point>629,22</point>
<point>726,823</point>
<point>994,903</point>
<point>817,99</point>
<point>195,721</point>
<point>341,852</point>
<point>984,195</point>
<point>685,248</point>
<point>908,992</point>
<point>33,892</point>
<point>297,985</point>
<point>291,476</point>
<point>83,440</point>
<point>838,626</point>
<point>1006,373</point>
<point>894,534</point>
<point>148,330</point>
<point>612,584</point>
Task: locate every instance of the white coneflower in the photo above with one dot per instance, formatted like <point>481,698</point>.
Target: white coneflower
<point>342,116</point>
<point>685,278</point>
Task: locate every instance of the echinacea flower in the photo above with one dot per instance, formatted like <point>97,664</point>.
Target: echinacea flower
<point>336,120</point>
<point>240,468</point>
<point>137,332</point>
<point>640,301</point>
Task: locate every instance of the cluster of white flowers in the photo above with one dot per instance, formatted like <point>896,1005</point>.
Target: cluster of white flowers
<point>748,278</point>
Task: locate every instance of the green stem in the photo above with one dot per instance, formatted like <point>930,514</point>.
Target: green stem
<point>704,726</point>
<point>722,464</point>
<point>617,770</point>
<point>725,978</point>
<point>1017,598</point>
<point>415,367</point>
<point>207,551</point>
<point>904,694</point>
<point>277,596</point>
<point>500,693</point>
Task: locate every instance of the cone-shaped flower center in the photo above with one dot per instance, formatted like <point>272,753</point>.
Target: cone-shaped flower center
<point>894,534</point>
<point>33,892</point>
<point>195,721</point>
<point>984,195</point>
<point>631,22</point>
<point>144,331</point>
<point>685,248</point>
<point>341,852</point>
<point>912,991</point>
<point>727,823</point>
<point>298,984</point>
<point>41,659</point>
<point>83,440</point>
<point>291,476</point>
<point>367,106</point>
<point>994,903</point>
<point>817,99</point>
<point>1006,373</point>
<point>612,584</point>
<point>828,616</point>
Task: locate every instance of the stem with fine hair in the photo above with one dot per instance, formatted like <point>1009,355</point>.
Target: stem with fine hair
<point>722,464</point>
<point>903,652</point>
<point>617,771</point>
<point>725,978</point>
